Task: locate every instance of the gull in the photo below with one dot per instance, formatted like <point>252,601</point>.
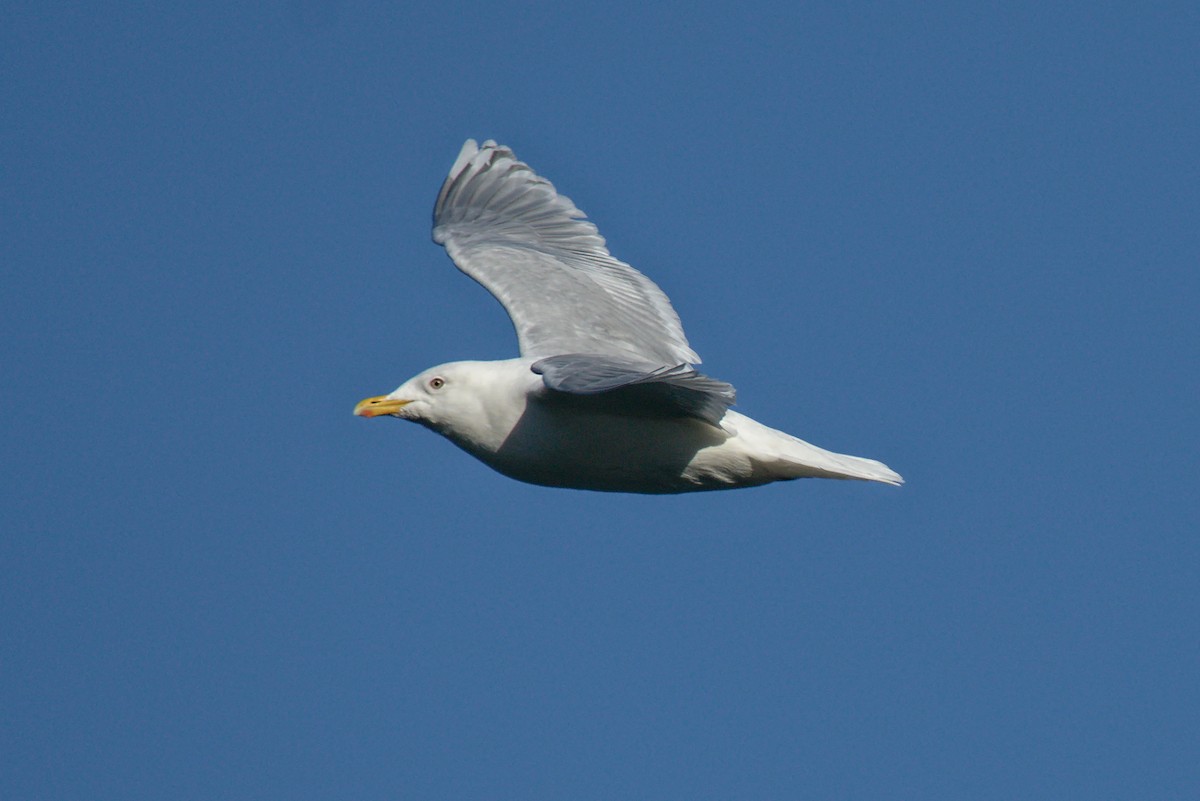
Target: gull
<point>604,395</point>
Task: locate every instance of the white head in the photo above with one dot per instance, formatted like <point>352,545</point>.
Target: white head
<point>476,404</point>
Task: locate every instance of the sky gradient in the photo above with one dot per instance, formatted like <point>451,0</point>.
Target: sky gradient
<point>961,239</point>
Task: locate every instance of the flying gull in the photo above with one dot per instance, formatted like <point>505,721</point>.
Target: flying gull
<point>604,395</point>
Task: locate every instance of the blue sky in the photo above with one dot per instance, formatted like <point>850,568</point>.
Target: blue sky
<point>960,238</point>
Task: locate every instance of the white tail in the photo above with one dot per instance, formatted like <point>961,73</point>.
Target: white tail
<point>809,461</point>
<point>785,456</point>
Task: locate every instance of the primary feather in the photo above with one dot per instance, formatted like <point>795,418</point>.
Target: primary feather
<point>508,228</point>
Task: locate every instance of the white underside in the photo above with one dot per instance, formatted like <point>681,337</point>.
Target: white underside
<point>663,455</point>
<point>502,413</point>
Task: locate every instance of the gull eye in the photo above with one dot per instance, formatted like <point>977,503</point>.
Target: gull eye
<point>437,382</point>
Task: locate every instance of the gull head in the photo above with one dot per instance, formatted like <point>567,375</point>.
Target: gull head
<point>429,397</point>
<point>470,401</point>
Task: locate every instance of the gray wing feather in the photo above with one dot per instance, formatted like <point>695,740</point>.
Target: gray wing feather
<point>676,390</point>
<point>508,228</point>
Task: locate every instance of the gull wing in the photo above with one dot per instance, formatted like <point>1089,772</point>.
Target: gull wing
<point>641,387</point>
<point>508,228</point>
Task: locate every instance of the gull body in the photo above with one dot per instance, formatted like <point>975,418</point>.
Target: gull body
<point>501,413</point>
<point>604,396</point>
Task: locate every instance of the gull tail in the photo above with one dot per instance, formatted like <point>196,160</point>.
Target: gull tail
<point>782,456</point>
<point>803,460</point>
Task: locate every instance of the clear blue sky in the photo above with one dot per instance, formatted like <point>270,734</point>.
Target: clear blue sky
<point>960,238</point>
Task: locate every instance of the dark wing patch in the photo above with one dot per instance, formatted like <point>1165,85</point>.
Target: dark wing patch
<point>677,390</point>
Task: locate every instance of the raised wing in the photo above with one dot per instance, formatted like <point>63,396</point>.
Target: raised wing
<point>507,228</point>
<point>646,388</point>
